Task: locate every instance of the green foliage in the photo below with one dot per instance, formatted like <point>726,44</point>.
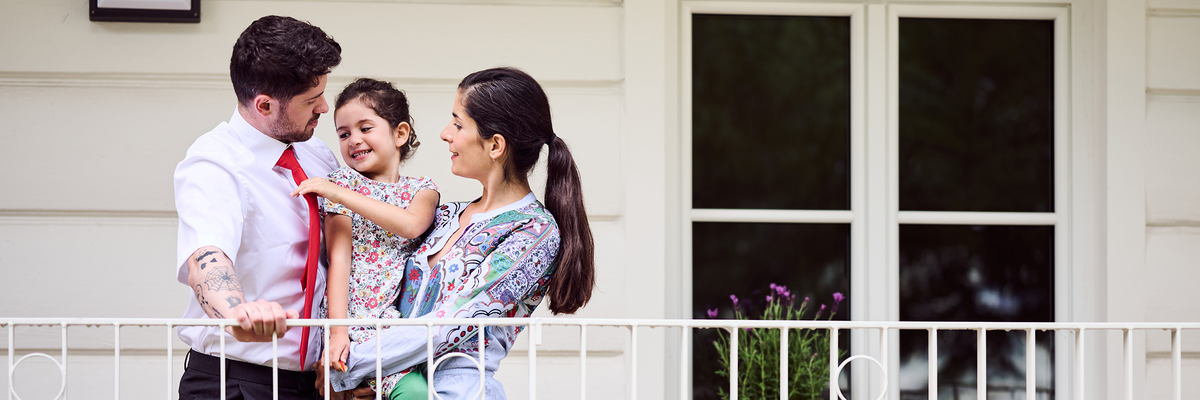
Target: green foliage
<point>758,352</point>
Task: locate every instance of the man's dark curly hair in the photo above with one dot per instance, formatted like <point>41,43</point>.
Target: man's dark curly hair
<point>280,57</point>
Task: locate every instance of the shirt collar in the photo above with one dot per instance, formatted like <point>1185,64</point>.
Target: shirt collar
<point>266,149</point>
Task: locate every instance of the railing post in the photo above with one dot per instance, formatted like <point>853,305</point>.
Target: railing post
<point>683,362</point>
<point>428,358</point>
<point>64,363</point>
<point>783,363</point>
<point>883,358</point>
<point>222,335</point>
<point>981,365</point>
<point>378,365</point>
<point>933,364</point>
<point>482,340</point>
<point>117,360</point>
<point>328,382</point>
<point>532,362</point>
<point>833,364</point>
<point>1177,361</point>
<point>582,361</point>
<point>1079,363</point>
<point>633,345</point>
<point>733,363</point>
<point>170,362</point>
<point>1030,364</point>
<point>1128,363</point>
<point>275,367</point>
<point>11,355</point>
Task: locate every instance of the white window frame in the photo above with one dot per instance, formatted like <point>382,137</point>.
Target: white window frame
<point>874,215</point>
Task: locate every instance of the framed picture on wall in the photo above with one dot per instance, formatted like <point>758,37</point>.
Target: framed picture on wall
<point>145,10</point>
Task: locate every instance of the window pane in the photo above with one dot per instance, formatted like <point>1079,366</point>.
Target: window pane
<point>770,112</point>
<point>976,115</point>
<point>976,273</point>
<point>743,259</point>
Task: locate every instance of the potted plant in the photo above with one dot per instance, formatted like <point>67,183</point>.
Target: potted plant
<point>758,350</point>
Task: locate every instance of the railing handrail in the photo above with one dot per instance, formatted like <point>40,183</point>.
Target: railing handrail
<point>626,322</point>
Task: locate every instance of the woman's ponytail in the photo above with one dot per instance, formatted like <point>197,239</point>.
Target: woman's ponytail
<point>510,103</point>
<point>571,286</point>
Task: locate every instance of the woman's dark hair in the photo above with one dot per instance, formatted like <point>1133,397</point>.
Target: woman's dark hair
<point>280,57</point>
<point>388,103</point>
<point>508,102</point>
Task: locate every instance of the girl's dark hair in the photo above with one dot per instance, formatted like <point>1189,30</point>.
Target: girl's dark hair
<point>280,57</point>
<point>508,102</point>
<point>388,103</point>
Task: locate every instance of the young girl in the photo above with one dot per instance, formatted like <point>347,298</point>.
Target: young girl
<point>373,217</point>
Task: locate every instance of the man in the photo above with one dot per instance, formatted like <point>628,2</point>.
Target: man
<point>247,249</point>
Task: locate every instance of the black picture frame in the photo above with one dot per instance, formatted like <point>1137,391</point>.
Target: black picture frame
<point>143,15</point>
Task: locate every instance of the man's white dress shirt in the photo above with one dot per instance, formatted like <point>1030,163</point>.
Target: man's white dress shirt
<point>230,194</point>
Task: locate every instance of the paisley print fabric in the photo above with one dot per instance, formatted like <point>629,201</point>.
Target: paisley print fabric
<point>499,267</point>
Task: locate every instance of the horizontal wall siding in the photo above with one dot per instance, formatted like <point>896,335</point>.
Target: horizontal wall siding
<point>1172,54</point>
<point>1173,140</point>
<point>89,267</point>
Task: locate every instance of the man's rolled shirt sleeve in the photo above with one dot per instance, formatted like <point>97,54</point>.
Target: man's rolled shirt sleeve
<point>208,199</point>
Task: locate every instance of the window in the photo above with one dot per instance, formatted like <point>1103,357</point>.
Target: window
<point>915,163</point>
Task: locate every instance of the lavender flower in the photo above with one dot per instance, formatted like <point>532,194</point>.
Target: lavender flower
<point>769,298</point>
<point>837,298</point>
<point>735,300</point>
<point>819,312</point>
<point>712,313</point>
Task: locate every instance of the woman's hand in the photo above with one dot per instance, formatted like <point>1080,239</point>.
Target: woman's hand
<point>321,187</point>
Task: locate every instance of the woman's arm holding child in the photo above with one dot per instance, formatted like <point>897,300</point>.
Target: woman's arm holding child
<point>408,223</point>
<point>339,244</point>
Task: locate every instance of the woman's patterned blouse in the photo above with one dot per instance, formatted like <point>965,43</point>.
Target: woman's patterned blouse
<point>499,267</point>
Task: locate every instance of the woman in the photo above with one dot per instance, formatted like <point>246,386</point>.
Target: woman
<point>497,256</point>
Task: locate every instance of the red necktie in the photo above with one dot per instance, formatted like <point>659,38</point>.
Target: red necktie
<point>308,281</point>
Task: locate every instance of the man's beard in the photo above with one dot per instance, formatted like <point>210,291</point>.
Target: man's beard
<point>286,130</point>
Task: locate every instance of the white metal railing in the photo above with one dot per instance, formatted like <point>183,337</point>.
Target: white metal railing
<point>536,326</point>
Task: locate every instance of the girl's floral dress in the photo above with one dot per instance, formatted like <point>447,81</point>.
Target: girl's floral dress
<point>378,257</point>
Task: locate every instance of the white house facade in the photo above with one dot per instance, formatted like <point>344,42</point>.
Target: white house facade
<point>1044,151</point>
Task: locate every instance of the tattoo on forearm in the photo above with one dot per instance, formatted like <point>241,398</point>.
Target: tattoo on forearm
<point>204,304</point>
<point>220,283</point>
<point>204,265</point>
<point>222,278</point>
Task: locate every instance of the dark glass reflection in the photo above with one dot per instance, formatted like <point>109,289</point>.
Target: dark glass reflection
<point>976,115</point>
<point>976,273</point>
<point>770,112</point>
<point>744,259</point>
